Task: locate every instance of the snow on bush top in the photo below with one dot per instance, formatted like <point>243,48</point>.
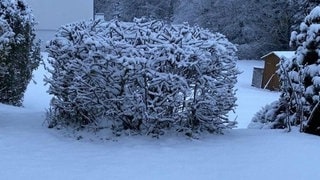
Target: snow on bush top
<point>9,10</point>
<point>6,33</point>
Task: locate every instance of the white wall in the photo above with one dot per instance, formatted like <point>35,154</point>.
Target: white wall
<point>52,14</point>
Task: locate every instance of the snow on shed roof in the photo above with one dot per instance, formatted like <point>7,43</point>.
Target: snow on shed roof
<point>286,54</point>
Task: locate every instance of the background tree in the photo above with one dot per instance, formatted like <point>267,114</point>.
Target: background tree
<point>256,26</point>
<point>303,8</point>
<point>125,10</point>
<point>307,56</point>
<point>19,53</point>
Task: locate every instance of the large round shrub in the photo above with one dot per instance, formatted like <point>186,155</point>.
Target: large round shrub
<point>145,77</point>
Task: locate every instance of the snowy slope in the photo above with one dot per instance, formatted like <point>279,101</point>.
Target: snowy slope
<point>30,151</point>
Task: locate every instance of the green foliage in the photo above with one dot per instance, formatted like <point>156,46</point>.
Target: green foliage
<point>19,53</point>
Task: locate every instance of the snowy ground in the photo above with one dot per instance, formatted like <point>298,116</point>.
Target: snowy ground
<point>30,151</point>
<point>250,99</point>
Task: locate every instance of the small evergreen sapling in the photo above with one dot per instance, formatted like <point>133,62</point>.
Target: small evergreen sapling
<point>19,53</point>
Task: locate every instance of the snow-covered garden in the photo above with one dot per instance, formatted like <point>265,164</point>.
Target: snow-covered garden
<point>150,100</point>
<point>29,150</point>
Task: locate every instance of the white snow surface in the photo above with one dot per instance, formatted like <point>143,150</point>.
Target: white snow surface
<point>250,99</point>
<point>30,151</point>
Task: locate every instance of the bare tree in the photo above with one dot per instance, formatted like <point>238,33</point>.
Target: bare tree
<point>126,10</point>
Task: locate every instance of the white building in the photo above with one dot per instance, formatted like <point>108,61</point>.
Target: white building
<point>52,14</point>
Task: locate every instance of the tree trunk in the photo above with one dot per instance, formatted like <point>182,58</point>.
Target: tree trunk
<point>313,125</point>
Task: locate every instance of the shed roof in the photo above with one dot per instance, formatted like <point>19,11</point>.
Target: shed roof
<point>286,54</point>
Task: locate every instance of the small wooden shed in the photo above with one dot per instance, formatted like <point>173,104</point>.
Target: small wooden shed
<point>270,79</point>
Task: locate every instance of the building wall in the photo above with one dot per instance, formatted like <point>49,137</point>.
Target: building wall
<point>52,14</point>
<point>270,78</point>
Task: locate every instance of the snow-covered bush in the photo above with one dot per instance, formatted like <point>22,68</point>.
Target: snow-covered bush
<point>19,54</point>
<point>142,77</point>
<point>272,116</point>
<point>283,112</point>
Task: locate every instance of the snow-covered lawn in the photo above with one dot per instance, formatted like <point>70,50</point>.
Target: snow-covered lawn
<point>250,99</point>
<point>30,151</point>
